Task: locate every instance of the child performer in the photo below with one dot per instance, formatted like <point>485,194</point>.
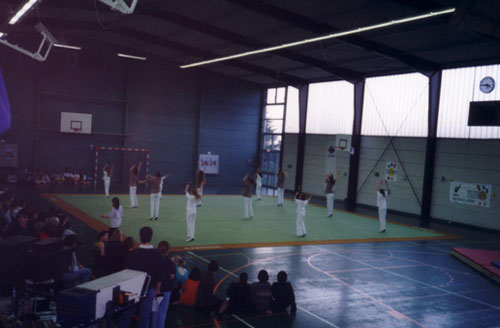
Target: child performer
<point>155,193</point>
<point>330,196</point>
<point>301,213</point>
<point>135,169</point>
<point>107,174</point>
<point>115,216</point>
<point>258,181</point>
<point>382,204</point>
<point>281,186</point>
<point>247,196</point>
<point>192,200</point>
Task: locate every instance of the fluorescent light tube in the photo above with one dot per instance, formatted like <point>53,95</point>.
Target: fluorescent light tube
<point>131,57</point>
<point>27,6</point>
<point>321,38</point>
<point>66,46</point>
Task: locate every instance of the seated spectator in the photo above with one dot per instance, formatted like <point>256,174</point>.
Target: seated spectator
<point>283,295</point>
<point>21,226</point>
<point>99,247</point>
<point>12,177</point>
<point>190,288</point>
<point>239,296</point>
<point>206,300</point>
<point>181,275</point>
<point>74,274</point>
<point>261,293</point>
<point>127,246</point>
<point>113,251</point>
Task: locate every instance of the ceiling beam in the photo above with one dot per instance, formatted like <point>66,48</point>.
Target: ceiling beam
<point>220,33</point>
<point>415,62</point>
<point>57,23</point>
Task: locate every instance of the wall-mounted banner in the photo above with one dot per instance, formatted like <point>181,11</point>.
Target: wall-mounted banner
<point>330,159</point>
<point>470,193</point>
<point>209,163</point>
<point>391,171</point>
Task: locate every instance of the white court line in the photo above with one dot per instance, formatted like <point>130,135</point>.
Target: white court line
<point>243,321</point>
<point>420,282</point>
<point>246,323</point>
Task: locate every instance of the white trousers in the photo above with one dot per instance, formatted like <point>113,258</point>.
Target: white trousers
<point>382,212</point>
<point>133,197</point>
<point>190,221</point>
<point>107,183</point>
<point>258,191</point>
<point>155,204</point>
<point>161,190</point>
<point>248,207</point>
<point>330,199</point>
<point>281,194</point>
<point>301,227</point>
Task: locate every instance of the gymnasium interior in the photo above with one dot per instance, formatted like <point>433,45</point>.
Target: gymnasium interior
<point>394,94</point>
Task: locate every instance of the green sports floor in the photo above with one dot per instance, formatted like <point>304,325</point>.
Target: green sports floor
<point>220,222</point>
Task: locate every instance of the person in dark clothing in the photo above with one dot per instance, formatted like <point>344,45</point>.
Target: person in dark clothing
<point>167,284</point>
<point>239,296</point>
<point>261,293</point>
<point>205,298</point>
<point>127,246</point>
<point>283,295</point>
<point>21,225</point>
<point>147,259</point>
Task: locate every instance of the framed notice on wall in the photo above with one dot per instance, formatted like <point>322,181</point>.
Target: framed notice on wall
<point>209,163</point>
<point>8,155</point>
<point>470,193</point>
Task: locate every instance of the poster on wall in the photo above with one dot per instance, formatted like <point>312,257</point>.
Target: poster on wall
<point>330,159</point>
<point>391,171</point>
<point>470,193</point>
<point>8,155</point>
<point>209,163</point>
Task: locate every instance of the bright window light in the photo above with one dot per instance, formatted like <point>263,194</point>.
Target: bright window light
<point>2,34</point>
<point>27,6</point>
<point>324,37</point>
<point>66,46</point>
<point>131,57</point>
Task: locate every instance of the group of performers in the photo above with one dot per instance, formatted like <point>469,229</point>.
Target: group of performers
<point>194,196</point>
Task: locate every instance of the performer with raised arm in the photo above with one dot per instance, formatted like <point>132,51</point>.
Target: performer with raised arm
<point>281,186</point>
<point>247,196</point>
<point>301,213</point>
<point>107,172</point>
<point>330,196</point>
<point>192,201</point>
<point>155,193</point>
<point>200,183</point>
<point>134,175</point>
<point>258,182</point>
<point>382,204</point>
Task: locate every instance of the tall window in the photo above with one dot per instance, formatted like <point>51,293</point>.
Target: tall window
<point>396,105</point>
<point>458,88</point>
<point>272,134</point>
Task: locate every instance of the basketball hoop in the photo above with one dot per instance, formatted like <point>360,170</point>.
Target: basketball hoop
<point>76,130</point>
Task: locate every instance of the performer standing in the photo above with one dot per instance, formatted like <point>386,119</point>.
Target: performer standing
<point>258,181</point>
<point>330,196</point>
<point>301,213</point>
<point>382,204</point>
<point>107,174</point>
<point>155,193</point>
<point>115,216</point>
<point>200,183</point>
<point>134,175</point>
<point>281,186</point>
<point>192,201</point>
<point>247,196</point>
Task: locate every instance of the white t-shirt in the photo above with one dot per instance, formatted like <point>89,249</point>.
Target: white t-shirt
<point>301,206</point>
<point>259,180</point>
<point>381,200</point>
<point>191,203</point>
<point>115,217</point>
<point>106,176</point>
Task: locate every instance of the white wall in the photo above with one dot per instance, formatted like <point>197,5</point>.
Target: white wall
<point>472,161</point>
<point>411,152</point>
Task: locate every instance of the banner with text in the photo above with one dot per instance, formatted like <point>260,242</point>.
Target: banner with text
<point>470,193</point>
<point>209,163</point>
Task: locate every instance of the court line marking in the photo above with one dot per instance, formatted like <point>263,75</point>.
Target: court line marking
<point>234,275</point>
<point>420,282</point>
<point>243,321</point>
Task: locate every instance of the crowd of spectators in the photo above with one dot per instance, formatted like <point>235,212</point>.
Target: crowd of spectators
<point>41,178</point>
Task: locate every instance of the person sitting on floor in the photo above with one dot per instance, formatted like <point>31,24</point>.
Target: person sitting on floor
<point>239,296</point>
<point>283,295</point>
<point>190,288</point>
<point>261,293</point>
<point>206,300</point>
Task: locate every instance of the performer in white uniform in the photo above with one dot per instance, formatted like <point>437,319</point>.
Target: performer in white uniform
<point>155,194</point>
<point>382,204</point>
<point>192,202</point>
<point>247,196</point>
<point>107,174</point>
<point>301,213</point>
<point>200,183</point>
<point>115,216</point>
<point>134,175</point>
<point>281,186</point>
<point>330,196</point>
<point>258,181</point>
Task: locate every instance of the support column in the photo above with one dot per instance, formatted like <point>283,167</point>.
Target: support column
<point>301,144</point>
<point>352,187</point>
<point>430,151</point>
<point>197,131</point>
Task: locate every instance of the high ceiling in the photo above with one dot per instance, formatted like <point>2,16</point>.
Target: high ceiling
<point>186,31</point>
